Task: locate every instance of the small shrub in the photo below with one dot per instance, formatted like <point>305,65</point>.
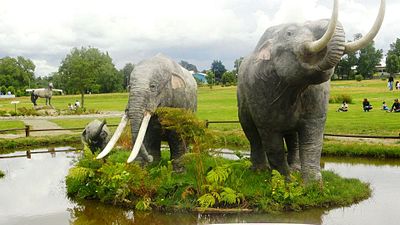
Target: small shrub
<point>1,174</point>
<point>27,111</point>
<point>358,77</point>
<point>340,98</point>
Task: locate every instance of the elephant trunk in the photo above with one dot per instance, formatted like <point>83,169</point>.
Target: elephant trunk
<point>140,118</point>
<point>98,132</point>
<point>335,50</point>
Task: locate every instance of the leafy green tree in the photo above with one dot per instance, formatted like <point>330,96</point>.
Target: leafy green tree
<point>17,72</point>
<point>345,65</point>
<point>392,63</point>
<point>393,58</point>
<point>188,66</point>
<point>369,57</point>
<point>218,69</point>
<point>228,78</point>
<point>83,68</point>
<point>210,78</point>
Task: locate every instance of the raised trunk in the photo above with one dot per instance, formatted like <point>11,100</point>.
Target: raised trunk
<point>335,50</point>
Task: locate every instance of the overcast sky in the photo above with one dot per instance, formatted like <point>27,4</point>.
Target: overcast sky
<point>197,31</point>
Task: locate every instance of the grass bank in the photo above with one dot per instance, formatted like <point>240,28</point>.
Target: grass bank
<point>12,145</point>
<point>207,182</point>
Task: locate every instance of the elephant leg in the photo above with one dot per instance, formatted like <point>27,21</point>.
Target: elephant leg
<point>257,153</point>
<point>177,149</point>
<point>292,144</point>
<point>273,144</point>
<point>310,144</point>
<point>152,139</point>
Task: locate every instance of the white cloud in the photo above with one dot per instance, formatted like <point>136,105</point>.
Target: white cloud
<point>197,31</point>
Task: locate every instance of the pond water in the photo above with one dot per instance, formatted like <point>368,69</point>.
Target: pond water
<point>33,192</point>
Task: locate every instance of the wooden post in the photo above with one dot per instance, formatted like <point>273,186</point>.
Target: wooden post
<point>28,154</point>
<point>206,123</point>
<point>27,130</point>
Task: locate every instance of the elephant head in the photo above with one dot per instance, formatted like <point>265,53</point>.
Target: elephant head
<point>156,82</point>
<point>311,50</point>
<point>96,135</point>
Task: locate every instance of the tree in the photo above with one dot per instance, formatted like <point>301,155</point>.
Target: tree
<point>345,65</point>
<point>218,69</point>
<point>393,58</point>
<point>369,57</point>
<point>188,66</point>
<point>126,72</point>
<point>237,64</point>
<point>83,67</point>
<point>392,63</point>
<point>228,78</point>
<point>210,78</point>
<point>17,72</point>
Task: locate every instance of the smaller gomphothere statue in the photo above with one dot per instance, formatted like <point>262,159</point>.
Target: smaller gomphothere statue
<point>46,93</point>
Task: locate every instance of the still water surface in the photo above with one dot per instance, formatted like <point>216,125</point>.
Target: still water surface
<point>33,192</point>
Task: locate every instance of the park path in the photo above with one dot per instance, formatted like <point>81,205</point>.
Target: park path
<point>38,124</point>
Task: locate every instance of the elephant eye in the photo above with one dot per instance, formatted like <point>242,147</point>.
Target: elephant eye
<point>153,87</point>
<point>289,33</point>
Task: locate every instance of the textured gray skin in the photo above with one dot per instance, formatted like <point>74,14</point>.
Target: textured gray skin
<point>42,93</point>
<point>283,95</point>
<point>96,135</point>
<point>160,82</point>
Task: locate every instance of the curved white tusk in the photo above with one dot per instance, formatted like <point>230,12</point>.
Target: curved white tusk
<point>114,138</point>
<point>364,41</point>
<point>140,137</point>
<point>320,44</point>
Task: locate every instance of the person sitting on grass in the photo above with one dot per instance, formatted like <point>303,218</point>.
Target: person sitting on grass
<point>395,106</point>
<point>366,105</point>
<point>344,107</point>
<point>384,106</point>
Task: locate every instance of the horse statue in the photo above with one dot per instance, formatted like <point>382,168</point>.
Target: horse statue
<point>43,93</point>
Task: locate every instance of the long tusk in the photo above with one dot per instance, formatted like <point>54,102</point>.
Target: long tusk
<point>140,137</point>
<point>364,41</point>
<point>114,138</point>
<point>320,44</point>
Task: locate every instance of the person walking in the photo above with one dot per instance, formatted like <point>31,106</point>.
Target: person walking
<point>390,83</point>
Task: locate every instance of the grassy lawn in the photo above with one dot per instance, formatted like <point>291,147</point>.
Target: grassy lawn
<point>219,103</point>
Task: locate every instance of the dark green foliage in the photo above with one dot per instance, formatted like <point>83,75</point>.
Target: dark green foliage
<point>218,69</point>
<point>358,77</point>
<point>229,184</point>
<point>15,73</point>
<point>2,174</point>
<point>228,78</point>
<point>393,58</point>
<point>368,58</point>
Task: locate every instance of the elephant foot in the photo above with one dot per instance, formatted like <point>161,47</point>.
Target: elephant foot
<point>295,167</point>
<point>260,167</point>
<point>177,166</point>
<point>311,176</point>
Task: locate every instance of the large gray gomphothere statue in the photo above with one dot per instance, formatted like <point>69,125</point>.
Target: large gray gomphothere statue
<point>155,82</point>
<point>283,91</point>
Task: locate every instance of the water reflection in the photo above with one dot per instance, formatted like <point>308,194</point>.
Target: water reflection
<point>33,192</point>
<point>96,213</point>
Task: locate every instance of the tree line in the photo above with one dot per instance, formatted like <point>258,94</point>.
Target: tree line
<point>88,70</point>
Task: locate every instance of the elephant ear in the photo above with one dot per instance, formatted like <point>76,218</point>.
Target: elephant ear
<point>264,52</point>
<point>177,81</point>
